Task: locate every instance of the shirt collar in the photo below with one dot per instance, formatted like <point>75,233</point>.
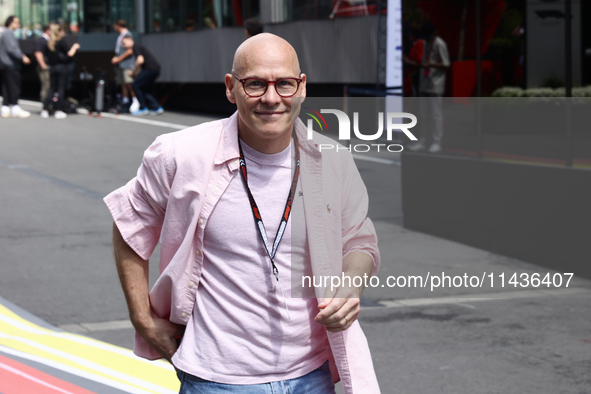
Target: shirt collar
<point>46,36</point>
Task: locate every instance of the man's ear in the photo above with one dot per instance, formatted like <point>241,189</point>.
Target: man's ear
<point>303,87</point>
<point>229,81</point>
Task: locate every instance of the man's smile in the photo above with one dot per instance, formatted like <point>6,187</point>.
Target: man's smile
<point>269,113</point>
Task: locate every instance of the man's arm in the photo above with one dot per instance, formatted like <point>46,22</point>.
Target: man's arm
<point>12,47</point>
<point>40,60</point>
<point>73,49</point>
<point>138,65</point>
<point>133,271</point>
<point>122,57</point>
<point>344,302</point>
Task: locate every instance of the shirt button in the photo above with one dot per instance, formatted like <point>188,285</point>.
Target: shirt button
<point>201,221</point>
<point>198,252</point>
<point>191,284</point>
<point>183,314</point>
<point>328,208</point>
<point>216,190</point>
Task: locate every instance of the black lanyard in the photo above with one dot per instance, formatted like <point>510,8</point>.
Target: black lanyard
<point>257,214</point>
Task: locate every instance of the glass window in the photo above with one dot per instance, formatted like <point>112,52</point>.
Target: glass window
<point>36,13</point>
<point>189,15</point>
<point>89,16</point>
<point>123,9</point>
<point>322,9</point>
<point>96,17</point>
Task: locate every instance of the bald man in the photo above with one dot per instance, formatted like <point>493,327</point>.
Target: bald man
<point>241,207</point>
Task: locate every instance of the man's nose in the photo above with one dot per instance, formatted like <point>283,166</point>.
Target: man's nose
<point>271,97</point>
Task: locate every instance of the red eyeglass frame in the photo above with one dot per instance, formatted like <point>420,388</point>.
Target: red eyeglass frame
<point>298,80</point>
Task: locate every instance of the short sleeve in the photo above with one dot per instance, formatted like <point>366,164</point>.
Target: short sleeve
<point>39,47</point>
<point>138,208</point>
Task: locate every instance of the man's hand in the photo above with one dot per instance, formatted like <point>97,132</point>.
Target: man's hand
<point>162,335</point>
<point>26,60</point>
<point>115,60</point>
<point>339,309</point>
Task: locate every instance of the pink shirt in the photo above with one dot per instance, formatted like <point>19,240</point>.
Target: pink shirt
<point>254,340</point>
<point>179,182</point>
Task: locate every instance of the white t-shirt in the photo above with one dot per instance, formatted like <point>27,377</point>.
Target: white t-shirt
<point>240,332</point>
<point>433,79</point>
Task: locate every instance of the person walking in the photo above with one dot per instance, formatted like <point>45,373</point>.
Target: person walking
<point>42,66</point>
<point>124,61</point>
<point>59,55</point>
<point>11,61</point>
<point>229,309</point>
<point>146,70</point>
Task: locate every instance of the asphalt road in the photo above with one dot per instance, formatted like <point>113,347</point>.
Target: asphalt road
<point>56,262</point>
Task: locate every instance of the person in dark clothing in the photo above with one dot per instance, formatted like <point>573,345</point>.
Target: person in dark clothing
<point>42,66</point>
<point>11,61</point>
<point>58,57</point>
<point>146,70</point>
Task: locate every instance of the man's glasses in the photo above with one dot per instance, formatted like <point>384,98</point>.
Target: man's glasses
<point>256,87</point>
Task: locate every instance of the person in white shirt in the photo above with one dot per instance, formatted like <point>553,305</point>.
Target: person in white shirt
<point>432,86</point>
<point>124,61</point>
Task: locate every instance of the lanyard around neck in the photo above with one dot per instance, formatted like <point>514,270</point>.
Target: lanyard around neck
<point>257,214</point>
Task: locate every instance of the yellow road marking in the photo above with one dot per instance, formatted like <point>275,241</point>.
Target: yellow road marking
<point>86,354</point>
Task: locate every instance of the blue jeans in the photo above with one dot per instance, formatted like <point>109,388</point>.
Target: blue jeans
<point>318,381</point>
<point>141,85</point>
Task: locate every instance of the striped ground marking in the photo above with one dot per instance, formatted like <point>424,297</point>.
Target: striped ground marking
<point>77,355</point>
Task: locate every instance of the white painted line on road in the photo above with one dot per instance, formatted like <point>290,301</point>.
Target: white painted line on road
<point>77,372</point>
<point>86,363</point>
<point>99,326</point>
<point>24,327</point>
<point>459,300</point>
<point>376,159</point>
<point>33,379</point>
<point>150,122</point>
<point>145,121</point>
<point>176,126</point>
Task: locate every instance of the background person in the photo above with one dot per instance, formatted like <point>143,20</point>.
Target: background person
<point>59,55</point>
<point>124,61</point>
<point>42,67</point>
<point>252,27</point>
<point>11,60</point>
<point>146,70</point>
<point>435,63</point>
